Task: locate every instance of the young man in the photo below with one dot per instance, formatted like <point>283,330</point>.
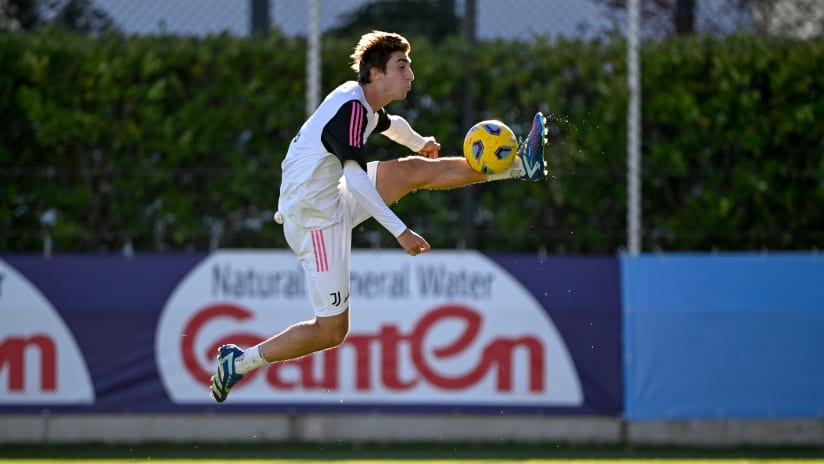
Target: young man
<point>328,188</point>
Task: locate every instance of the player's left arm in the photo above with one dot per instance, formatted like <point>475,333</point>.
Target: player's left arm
<point>431,149</point>
<point>398,129</point>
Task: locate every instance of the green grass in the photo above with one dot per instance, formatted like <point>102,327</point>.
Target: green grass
<point>421,461</point>
<point>405,453</point>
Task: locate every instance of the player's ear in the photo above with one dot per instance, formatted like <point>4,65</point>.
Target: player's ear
<point>375,72</point>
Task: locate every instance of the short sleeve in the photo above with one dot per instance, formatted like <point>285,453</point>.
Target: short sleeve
<point>343,134</point>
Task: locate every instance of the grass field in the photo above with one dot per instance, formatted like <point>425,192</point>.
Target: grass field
<point>413,461</point>
<point>405,453</point>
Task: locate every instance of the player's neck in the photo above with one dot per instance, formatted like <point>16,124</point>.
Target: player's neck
<point>374,96</point>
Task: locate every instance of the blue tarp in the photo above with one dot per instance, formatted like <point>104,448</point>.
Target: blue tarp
<point>723,336</point>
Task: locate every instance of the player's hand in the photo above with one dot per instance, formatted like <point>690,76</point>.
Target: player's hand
<point>431,148</point>
<point>413,243</point>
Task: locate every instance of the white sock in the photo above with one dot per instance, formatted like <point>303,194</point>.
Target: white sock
<point>250,360</point>
<point>514,171</point>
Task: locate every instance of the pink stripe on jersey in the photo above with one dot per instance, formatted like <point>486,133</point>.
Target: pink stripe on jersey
<point>319,245</point>
<point>355,123</point>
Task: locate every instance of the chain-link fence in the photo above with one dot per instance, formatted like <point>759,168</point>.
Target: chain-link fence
<point>494,18</point>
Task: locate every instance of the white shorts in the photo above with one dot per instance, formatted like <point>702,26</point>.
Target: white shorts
<point>325,254</point>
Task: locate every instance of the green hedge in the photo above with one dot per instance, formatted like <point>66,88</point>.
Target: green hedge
<point>160,142</point>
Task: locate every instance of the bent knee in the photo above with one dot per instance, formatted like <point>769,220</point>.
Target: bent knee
<point>334,336</point>
<point>333,330</point>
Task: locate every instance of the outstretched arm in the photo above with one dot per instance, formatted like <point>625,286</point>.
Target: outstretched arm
<point>361,187</point>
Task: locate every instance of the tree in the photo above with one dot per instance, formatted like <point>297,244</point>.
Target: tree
<point>659,18</point>
<point>74,15</point>
<point>684,17</point>
<point>435,19</point>
<point>801,19</point>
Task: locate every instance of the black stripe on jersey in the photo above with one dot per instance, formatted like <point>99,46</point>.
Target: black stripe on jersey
<point>343,134</point>
<point>383,121</point>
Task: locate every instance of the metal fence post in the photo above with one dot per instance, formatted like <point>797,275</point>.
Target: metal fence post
<point>467,119</point>
<point>313,49</point>
<point>633,132</point>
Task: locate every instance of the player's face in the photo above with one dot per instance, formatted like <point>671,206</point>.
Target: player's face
<point>397,81</point>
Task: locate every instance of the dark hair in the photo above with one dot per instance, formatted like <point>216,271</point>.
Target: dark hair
<point>373,51</point>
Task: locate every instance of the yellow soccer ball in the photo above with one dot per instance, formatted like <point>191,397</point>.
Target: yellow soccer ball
<point>490,146</point>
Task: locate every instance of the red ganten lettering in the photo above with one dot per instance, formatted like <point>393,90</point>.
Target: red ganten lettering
<point>496,355</point>
<point>13,357</point>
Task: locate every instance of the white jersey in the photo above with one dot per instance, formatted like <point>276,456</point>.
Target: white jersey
<point>336,132</point>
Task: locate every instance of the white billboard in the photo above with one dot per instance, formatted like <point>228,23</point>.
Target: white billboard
<point>40,362</point>
<point>443,328</point>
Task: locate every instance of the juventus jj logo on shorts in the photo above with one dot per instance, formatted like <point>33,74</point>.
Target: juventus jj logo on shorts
<point>336,299</point>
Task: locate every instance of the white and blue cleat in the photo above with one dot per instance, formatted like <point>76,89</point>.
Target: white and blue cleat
<point>225,378</point>
<point>531,150</point>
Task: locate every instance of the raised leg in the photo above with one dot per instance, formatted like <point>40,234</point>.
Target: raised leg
<point>398,177</point>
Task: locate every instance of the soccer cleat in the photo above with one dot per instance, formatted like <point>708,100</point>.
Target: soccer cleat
<point>531,150</point>
<point>225,377</point>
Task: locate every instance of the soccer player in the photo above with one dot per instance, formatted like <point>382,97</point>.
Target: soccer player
<point>328,188</point>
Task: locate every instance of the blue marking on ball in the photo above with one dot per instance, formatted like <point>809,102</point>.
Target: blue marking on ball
<point>477,149</point>
<point>503,152</point>
<point>493,129</point>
